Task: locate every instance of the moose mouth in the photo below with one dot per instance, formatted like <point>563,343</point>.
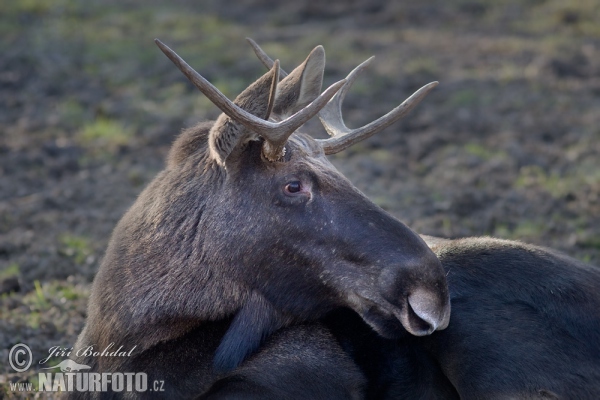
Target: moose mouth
<point>392,322</point>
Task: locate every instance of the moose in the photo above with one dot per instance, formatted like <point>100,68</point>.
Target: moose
<point>249,237</point>
<point>525,325</point>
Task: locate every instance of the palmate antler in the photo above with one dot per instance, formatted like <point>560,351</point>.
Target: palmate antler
<point>331,115</point>
<point>274,133</point>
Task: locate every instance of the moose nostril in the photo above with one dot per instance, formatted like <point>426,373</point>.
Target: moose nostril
<point>419,292</point>
<point>417,325</point>
<point>426,313</point>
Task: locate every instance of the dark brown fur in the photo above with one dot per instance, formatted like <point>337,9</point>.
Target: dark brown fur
<point>525,325</point>
<point>215,256</point>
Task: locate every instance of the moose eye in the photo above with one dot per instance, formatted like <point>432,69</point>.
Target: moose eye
<point>293,187</point>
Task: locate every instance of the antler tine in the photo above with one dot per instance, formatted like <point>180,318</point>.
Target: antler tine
<point>276,133</point>
<point>342,136</point>
<point>273,90</point>
<point>264,58</point>
<point>331,115</point>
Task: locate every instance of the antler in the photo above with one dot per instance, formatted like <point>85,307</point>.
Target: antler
<point>264,58</point>
<point>331,115</point>
<point>274,133</point>
<point>343,137</point>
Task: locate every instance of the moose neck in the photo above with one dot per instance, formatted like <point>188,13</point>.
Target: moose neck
<point>156,282</point>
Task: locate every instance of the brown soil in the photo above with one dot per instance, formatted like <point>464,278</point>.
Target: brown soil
<point>508,144</point>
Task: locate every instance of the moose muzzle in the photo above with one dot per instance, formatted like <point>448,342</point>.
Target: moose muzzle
<point>417,295</point>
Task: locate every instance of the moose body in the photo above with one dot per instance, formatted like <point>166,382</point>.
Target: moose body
<point>525,325</point>
<point>250,230</point>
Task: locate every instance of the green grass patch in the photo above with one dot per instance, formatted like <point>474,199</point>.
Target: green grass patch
<point>77,248</point>
<point>64,292</point>
<point>590,242</point>
<point>575,18</point>
<point>381,156</point>
<point>478,150</point>
<point>39,295</point>
<point>422,66</point>
<point>463,98</point>
<point>10,271</point>
<point>104,133</point>
<point>48,304</point>
<point>72,113</point>
<point>31,6</point>
<point>526,230</point>
<point>535,176</point>
<point>557,185</point>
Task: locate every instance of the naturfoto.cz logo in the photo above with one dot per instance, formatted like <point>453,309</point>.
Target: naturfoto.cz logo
<point>73,376</point>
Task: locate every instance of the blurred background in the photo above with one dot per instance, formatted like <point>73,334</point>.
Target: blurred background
<point>507,145</point>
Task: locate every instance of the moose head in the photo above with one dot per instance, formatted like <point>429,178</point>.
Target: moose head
<point>250,221</point>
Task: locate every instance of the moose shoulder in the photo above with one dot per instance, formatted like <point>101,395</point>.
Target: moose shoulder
<point>248,230</point>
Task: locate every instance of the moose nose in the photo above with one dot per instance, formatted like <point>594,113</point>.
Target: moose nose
<point>425,313</point>
<point>419,294</point>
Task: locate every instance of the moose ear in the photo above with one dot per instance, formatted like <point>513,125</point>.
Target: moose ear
<point>227,135</point>
<point>255,321</point>
<point>301,86</point>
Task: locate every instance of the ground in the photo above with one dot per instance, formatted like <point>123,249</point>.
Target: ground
<point>507,145</point>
